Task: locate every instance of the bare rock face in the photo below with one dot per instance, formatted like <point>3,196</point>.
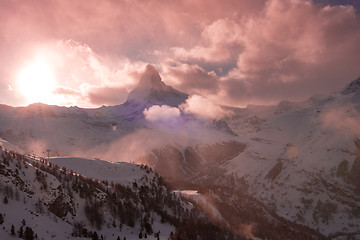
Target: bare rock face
<point>275,171</point>
<point>61,206</point>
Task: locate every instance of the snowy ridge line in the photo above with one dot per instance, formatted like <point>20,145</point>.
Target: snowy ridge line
<point>51,165</point>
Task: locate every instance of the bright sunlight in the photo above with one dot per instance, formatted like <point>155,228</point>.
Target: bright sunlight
<point>36,82</point>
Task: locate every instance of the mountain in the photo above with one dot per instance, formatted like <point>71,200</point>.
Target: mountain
<point>149,91</point>
<point>279,172</point>
<point>152,90</point>
<point>303,162</point>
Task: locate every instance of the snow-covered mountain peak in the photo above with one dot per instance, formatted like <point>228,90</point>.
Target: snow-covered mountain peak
<point>151,79</point>
<point>152,89</point>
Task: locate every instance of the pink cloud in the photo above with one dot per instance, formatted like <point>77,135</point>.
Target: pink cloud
<point>239,52</point>
<point>289,50</point>
<point>344,119</point>
<point>117,25</point>
<point>162,113</point>
<point>218,42</point>
<point>82,76</point>
<point>106,95</point>
<point>204,108</point>
<point>190,78</point>
<point>66,91</point>
<point>99,80</point>
<point>297,49</point>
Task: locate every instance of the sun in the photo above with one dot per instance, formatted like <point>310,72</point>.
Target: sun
<point>36,82</point>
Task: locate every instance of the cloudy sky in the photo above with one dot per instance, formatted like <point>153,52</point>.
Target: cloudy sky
<point>236,52</point>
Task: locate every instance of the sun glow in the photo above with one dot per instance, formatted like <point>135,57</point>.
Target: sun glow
<point>36,82</point>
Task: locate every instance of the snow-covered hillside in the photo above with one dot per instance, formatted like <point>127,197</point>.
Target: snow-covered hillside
<point>303,162</point>
<point>40,200</point>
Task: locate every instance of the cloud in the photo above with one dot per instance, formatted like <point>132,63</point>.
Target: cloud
<point>296,49</point>
<point>190,78</point>
<point>219,40</point>
<point>66,91</point>
<point>117,26</point>
<point>289,50</point>
<point>101,80</point>
<point>343,119</point>
<point>292,152</point>
<point>105,95</point>
<point>83,77</point>
<point>239,52</point>
<point>204,108</point>
<point>162,113</point>
<point>133,32</point>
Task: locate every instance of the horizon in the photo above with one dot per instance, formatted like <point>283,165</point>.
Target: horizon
<point>104,105</point>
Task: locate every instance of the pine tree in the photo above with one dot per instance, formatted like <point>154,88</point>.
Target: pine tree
<point>95,236</point>
<point>21,232</point>
<point>1,218</point>
<point>12,230</point>
<point>172,235</point>
<point>118,238</point>
<point>157,235</point>
<point>5,200</point>
<point>29,234</point>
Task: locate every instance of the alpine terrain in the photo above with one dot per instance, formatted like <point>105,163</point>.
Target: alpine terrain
<point>153,167</point>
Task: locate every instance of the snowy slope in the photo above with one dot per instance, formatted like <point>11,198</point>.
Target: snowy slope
<point>58,203</point>
<point>51,208</point>
<point>302,162</point>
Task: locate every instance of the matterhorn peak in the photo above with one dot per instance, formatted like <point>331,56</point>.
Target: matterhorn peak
<point>150,78</point>
<point>152,89</point>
